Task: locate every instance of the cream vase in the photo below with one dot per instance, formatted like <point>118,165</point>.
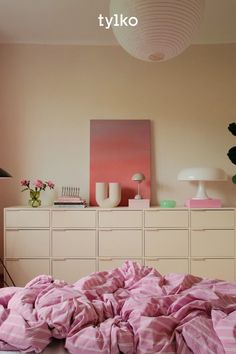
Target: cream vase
<point>107,199</point>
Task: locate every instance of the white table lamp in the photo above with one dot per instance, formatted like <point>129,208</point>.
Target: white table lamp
<point>202,175</point>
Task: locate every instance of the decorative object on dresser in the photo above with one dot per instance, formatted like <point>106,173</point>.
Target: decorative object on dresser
<point>70,197</point>
<point>232,151</point>
<point>139,178</point>
<point>39,186</point>
<point>138,202</point>
<point>167,203</point>
<point>162,29</point>
<point>202,175</point>
<point>108,195</point>
<point>118,148</point>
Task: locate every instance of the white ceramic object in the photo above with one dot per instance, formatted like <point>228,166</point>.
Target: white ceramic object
<point>108,197</point>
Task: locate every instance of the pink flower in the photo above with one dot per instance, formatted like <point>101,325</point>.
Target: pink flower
<point>39,184</point>
<point>25,183</point>
<point>50,184</point>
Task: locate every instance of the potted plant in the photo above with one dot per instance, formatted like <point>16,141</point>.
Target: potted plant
<point>39,186</point>
<point>232,151</point>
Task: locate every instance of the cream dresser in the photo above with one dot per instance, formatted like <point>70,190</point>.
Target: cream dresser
<point>71,243</point>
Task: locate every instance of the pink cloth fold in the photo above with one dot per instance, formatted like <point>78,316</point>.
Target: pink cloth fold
<point>131,309</point>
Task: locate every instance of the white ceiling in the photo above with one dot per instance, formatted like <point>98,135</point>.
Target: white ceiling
<point>76,22</point>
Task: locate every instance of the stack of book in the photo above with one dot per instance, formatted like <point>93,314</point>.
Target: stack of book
<point>70,198</point>
<point>70,201</point>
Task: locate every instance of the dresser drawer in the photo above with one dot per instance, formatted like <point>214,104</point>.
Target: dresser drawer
<point>118,218</point>
<point>165,266</point>
<point>73,243</point>
<point>212,243</point>
<point>73,218</point>
<point>213,268</point>
<point>24,270</point>
<point>27,243</point>
<point>27,218</point>
<point>212,219</point>
<point>166,218</point>
<point>120,243</point>
<point>72,270</point>
<point>170,243</point>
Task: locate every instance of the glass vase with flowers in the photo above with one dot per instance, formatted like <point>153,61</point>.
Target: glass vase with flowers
<point>35,190</point>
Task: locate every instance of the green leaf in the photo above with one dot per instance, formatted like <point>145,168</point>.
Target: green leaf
<point>232,128</point>
<point>232,154</point>
<point>234,179</point>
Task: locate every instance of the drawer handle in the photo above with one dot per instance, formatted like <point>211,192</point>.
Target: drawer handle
<point>105,259</point>
<point>152,259</point>
<point>106,230</point>
<point>200,210</point>
<point>198,229</point>
<point>59,259</point>
<point>198,259</point>
<point>12,259</point>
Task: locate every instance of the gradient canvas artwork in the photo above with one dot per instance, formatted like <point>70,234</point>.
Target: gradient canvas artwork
<point>118,150</point>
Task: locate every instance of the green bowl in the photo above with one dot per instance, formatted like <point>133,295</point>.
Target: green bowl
<point>167,203</point>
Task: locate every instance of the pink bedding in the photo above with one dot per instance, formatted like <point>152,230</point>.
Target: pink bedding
<point>132,309</point>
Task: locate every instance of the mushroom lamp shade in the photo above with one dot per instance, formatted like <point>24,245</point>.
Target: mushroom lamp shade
<point>4,174</point>
<point>165,28</point>
<point>138,177</point>
<point>202,175</point>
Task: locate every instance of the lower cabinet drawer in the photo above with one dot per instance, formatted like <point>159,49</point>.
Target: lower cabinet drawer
<point>165,266</point>
<point>166,243</point>
<point>212,243</point>
<point>72,270</point>
<point>27,243</point>
<point>109,263</point>
<point>120,243</point>
<point>213,268</point>
<point>24,270</point>
<point>73,243</point>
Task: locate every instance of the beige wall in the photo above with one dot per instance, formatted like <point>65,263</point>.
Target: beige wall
<point>49,94</point>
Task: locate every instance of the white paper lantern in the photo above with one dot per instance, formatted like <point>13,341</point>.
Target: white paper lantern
<point>165,27</point>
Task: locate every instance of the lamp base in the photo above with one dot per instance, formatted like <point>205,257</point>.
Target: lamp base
<point>203,203</point>
<point>139,203</point>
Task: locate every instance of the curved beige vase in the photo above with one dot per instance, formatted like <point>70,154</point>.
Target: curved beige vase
<point>105,198</point>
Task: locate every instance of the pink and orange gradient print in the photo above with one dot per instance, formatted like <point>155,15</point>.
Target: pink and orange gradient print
<point>119,149</point>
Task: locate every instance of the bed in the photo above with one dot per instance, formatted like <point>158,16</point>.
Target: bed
<point>131,309</point>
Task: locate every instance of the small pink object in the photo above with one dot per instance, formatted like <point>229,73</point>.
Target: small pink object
<point>203,203</point>
<point>139,203</point>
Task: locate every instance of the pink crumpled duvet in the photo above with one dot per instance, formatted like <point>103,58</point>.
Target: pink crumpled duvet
<point>131,309</point>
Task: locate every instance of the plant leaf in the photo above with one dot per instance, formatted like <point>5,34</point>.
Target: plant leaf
<point>232,155</point>
<point>232,128</point>
<point>234,179</point>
